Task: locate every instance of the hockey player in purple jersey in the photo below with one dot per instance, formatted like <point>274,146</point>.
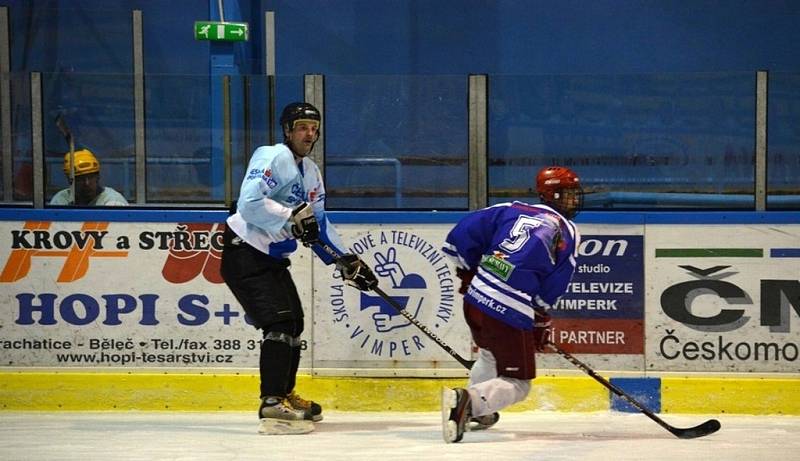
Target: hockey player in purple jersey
<point>514,261</point>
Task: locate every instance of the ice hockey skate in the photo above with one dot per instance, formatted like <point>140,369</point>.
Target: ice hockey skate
<point>455,414</point>
<point>313,410</point>
<point>279,417</point>
<point>481,423</point>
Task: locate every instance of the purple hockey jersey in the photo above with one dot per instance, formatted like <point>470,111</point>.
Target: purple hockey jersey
<point>523,257</point>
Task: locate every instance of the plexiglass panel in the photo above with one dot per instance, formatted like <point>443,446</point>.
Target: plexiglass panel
<point>396,142</point>
<point>783,142</point>
<point>639,141</point>
<point>98,110</point>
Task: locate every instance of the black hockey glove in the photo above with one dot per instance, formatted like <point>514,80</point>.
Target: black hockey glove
<point>466,278</point>
<point>356,273</point>
<point>305,227</point>
<point>542,328</point>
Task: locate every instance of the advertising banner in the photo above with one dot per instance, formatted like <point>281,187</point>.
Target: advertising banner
<point>358,329</point>
<point>100,294</point>
<point>150,295</point>
<point>602,313</point>
<point>603,309</point>
<point>723,298</point>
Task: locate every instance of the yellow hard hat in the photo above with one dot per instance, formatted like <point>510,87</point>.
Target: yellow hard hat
<point>85,163</point>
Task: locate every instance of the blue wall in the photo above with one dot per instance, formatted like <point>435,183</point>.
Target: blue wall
<point>421,37</point>
<point>580,81</point>
<point>538,37</point>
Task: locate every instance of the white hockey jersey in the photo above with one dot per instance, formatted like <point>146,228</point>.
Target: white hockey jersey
<point>273,186</point>
<point>108,197</point>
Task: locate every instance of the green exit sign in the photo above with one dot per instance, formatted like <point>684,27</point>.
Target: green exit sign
<point>220,31</point>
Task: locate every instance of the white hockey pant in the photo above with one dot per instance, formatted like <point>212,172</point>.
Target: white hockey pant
<point>490,393</point>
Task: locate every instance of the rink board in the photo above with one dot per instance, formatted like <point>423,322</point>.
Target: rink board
<point>126,309</point>
<point>141,290</point>
<point>168,391</point>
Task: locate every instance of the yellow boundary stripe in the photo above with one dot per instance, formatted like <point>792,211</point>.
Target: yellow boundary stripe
<point>239,392</point>
<point>741,395</point>
<point>92,391</point>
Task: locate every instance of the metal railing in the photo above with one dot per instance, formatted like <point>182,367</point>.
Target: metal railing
<point>371,161</point>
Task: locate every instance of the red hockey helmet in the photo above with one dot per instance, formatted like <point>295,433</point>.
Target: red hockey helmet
<point>560,188</point>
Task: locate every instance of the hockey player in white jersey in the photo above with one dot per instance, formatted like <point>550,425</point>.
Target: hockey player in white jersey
<point>514,260</point>
<point>282,200</point>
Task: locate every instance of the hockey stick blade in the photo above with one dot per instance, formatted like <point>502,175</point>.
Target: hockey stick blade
<point>708,427</point>
<point>701,430</point>
<point>466,363</point>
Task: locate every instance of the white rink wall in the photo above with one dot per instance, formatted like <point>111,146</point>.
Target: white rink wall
<point>651,298</point>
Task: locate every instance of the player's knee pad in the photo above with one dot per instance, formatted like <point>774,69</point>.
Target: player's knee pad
<point>287,332</point>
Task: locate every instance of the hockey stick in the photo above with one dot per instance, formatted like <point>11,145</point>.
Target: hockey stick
<point>62,126</point>
<point>466,363</point>
<point>701,430</point>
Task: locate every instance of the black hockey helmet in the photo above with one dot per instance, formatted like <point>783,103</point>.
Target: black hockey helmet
<point>299,111</point>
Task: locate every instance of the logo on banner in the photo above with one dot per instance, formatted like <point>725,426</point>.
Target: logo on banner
<point>194,249</point>
<point>75,248</point>
<point>777,296</point>
<point>414,275</point>
<point>729,325</point>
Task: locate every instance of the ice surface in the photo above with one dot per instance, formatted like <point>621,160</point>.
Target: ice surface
<point>539,435</point>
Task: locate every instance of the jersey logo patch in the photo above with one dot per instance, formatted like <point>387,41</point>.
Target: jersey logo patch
<point>497,266</point>
<point>267,177</point>
<point>254,174</point>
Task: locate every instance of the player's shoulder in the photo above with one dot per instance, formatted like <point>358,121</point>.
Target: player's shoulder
<point>543,211</point>
<point>115,194</point>
<point>530,208</point>
<point>275,151</point>
<point>110,197</point>
<point>276,161</point>
<point>61,197</point>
